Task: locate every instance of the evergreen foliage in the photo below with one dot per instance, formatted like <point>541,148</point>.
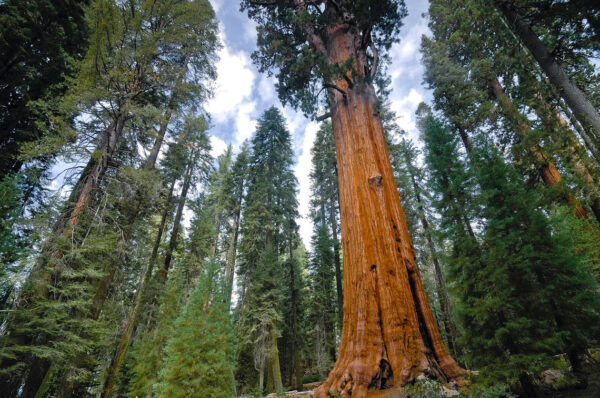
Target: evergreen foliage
<point>155,270</point>
<point>268,235</point>
<point>199,357</point>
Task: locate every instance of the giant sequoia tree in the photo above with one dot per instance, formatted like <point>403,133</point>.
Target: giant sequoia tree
<point>389,335</point>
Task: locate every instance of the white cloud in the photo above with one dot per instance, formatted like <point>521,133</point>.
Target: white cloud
<point>303,175</point>
<point>250,31</point>
<point>266,89</point>
<point>405,110</point>
<point>234,100</point>
<point>233,86</point>
<point>217,4</point>
<point>218,146</point>
<point>244,123</point>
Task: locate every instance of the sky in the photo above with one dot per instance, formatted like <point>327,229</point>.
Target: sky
<point>242,94</point>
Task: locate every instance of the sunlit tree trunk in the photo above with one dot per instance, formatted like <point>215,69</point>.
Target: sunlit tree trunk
<point>389,335</point>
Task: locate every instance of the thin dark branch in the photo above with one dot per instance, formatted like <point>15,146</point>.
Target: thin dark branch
<point>334,87</point>
<point>349,81</point>
<point>323,117</point>
<point>264,3</point>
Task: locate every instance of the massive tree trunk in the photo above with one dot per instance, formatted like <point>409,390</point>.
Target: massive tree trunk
<point>546,167</point>
<point>582,107</point>
<point>389,335</point>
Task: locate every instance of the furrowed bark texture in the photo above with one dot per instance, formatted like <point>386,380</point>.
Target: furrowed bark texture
<point>582,107</point>
<point>389,335</point>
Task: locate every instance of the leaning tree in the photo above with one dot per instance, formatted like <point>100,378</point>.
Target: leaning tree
<point>333,47</point>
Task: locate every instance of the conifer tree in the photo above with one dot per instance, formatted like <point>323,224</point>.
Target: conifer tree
<point>108,78</point>
<point>199,356</point>
<point>268,231</point>
<point>193,152</point>
<point>518,320</point>
<point>453,187</point>
<point>322,318</point>
<point>235,187</point>
<point>543,300</point>
<point>473,80</point>
<point>41,43</point>
<point>325,202</point>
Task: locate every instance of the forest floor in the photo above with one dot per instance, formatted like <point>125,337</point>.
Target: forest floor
<point>592,371</point>
<point>591,391</point>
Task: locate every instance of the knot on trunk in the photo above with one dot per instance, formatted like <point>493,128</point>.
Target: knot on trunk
<point>385,375</point>
<point>375,181</point>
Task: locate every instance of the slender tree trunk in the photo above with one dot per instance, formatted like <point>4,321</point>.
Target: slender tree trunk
<point>177,221</point>
<point>449,325</point>
<point>133,317</point>
<point>336,260</point>
<point>261,378</point>
<point>215,245</point>
<point>274,362</point>
<point>232,253</point>
<point>582,107</point>
<point>582,169</point>
<point>160,137</point>
<point>548,171</point>
<point>295,359</point>
<point>389,335</point>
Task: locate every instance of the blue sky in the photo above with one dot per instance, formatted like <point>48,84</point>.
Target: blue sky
<point>242,93</point>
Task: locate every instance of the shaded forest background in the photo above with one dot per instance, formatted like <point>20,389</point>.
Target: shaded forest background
<point>104,291</point>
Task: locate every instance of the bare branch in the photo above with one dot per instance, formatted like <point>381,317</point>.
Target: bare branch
<point>334,87</point>
<point>263,3</point>
<point>323,117</point>
<point>375,64</point>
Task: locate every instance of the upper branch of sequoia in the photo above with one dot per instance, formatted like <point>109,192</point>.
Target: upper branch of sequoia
<point>297,39</point>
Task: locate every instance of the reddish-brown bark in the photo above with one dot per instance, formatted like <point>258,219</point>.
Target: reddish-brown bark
<point>389,336</point>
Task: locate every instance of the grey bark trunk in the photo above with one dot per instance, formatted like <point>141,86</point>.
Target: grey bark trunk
<point>583,109</point>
